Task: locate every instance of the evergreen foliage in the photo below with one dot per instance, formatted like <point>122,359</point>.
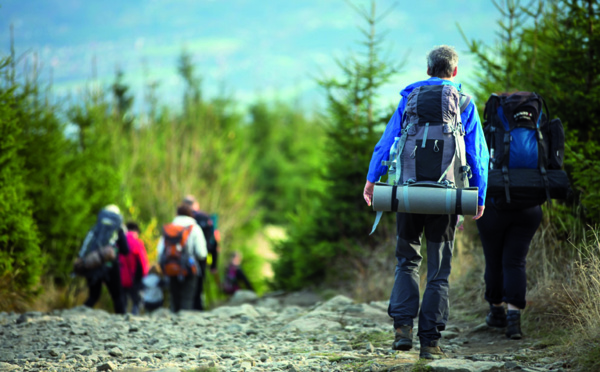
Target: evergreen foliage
<point>288,148</point>
<point>74,159</point>
<point>336,226</point>
<point>553,48</point>
<point>20,256</point>
<point>123,100</point>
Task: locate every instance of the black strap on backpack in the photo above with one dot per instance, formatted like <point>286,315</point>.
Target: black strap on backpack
<point>542,152</point>
<point>492,105</point>
<point>490,110</point>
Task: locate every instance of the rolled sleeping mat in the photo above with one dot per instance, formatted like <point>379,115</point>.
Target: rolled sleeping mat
<point>425,198</point>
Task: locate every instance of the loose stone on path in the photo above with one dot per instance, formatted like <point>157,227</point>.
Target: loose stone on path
<point>293,332</point>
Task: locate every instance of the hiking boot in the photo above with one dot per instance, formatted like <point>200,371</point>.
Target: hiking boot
<point>403,338</point>
<point>496,317</point>
<point>431,350</point>
<point>513,329</point>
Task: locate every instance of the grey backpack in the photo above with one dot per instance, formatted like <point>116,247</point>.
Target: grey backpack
<point>427,169</point>
<point>432,146</point>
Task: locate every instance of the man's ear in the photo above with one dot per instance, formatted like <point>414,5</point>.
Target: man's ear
<point>455,71</point>
<point>428,71</point>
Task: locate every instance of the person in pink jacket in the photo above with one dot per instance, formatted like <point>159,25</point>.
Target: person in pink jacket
<point>133,266</point>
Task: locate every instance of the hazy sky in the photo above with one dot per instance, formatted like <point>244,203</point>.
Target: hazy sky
<point>266,48</point>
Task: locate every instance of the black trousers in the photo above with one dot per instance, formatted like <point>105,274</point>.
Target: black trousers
<point>132,293</point>
<point>198,305</point>
<point>182,292</point>
<point>112,278</point>
<point>505,236</point>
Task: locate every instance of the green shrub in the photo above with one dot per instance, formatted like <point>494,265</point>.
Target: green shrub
<point>20,256</point>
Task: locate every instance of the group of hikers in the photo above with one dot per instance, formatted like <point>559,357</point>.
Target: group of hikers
<point>434,141</point>
<point>113,254</point>
<point>438,144</point>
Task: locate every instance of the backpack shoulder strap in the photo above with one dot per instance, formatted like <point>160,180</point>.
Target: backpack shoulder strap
<point>465,99</point>
<point>185,234</point>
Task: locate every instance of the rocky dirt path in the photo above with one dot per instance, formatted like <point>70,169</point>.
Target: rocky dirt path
<point>286,333</point>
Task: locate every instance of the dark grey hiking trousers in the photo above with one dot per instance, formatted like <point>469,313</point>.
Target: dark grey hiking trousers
<point>404,300</point>
<point>182,292</point>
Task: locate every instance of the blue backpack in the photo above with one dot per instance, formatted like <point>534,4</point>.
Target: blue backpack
<point>99,250</point>
<point>526,151</point>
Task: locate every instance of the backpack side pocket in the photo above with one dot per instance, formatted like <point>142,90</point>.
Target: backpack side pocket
<point>556,154</point>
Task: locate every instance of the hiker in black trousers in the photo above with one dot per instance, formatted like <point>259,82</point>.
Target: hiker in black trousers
<point>109,272</point>
<point>506,235</point>
<point>206,225</point>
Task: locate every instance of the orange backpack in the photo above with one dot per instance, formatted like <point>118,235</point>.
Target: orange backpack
<point>176,259</point>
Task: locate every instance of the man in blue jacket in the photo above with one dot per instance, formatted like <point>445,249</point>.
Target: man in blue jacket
<point>442,66</point>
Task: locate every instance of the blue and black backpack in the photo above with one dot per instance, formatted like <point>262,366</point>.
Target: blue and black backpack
<point>526,151</point>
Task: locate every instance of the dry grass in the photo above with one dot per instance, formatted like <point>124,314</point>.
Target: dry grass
<point>583,304</point>
<point>466,279</point>
<point>54,297</point>
<point>11,300</point>
<point>585,299</point>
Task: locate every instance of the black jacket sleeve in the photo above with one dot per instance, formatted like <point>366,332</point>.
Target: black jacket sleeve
<point>139,272</point>
<point>214,252</point>
<point>122,242</point>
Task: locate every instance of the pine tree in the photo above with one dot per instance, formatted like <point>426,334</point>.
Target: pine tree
<point>192,94</point>
<point>553,48</point>
<point>123,100</point>
<point>338,225</point>
<point>20,256</point>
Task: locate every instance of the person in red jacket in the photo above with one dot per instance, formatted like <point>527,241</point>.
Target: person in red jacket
<point>134,266</point>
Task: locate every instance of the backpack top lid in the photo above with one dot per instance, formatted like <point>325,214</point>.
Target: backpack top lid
<point>176,234</point>
<point>433,104</point>
<point>107,224</point>
<point>518,109</point>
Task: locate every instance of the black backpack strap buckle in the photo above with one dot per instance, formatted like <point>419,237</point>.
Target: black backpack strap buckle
<point>506,182</point>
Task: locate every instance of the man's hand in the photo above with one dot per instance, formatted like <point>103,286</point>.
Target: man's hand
<point>368,192</point>
<point>480,209</point>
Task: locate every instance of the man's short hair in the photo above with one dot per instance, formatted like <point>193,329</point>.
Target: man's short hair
<point>188,200</point>
<point>441,61</point>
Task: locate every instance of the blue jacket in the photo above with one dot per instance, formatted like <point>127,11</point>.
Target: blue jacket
<point>476,148</point>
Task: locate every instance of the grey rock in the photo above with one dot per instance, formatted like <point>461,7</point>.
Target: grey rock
<point>336,303</point>
<point>53,352</point>
<point>235,328</point>
<point>268,303</point>
<point>9,367</point>
<point>7,356</point>
<point>449,335</point>
<point>303,298</point>
<point>453,328</point>
<point>463,365</point>
<point>116,352</point>
<point>510,365</point>
<point>236,311</point>
<point>109,366</point>
<point>312,325</point>
<point>533,369</point>
<point>480,328</point>
<point>242,296</point>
